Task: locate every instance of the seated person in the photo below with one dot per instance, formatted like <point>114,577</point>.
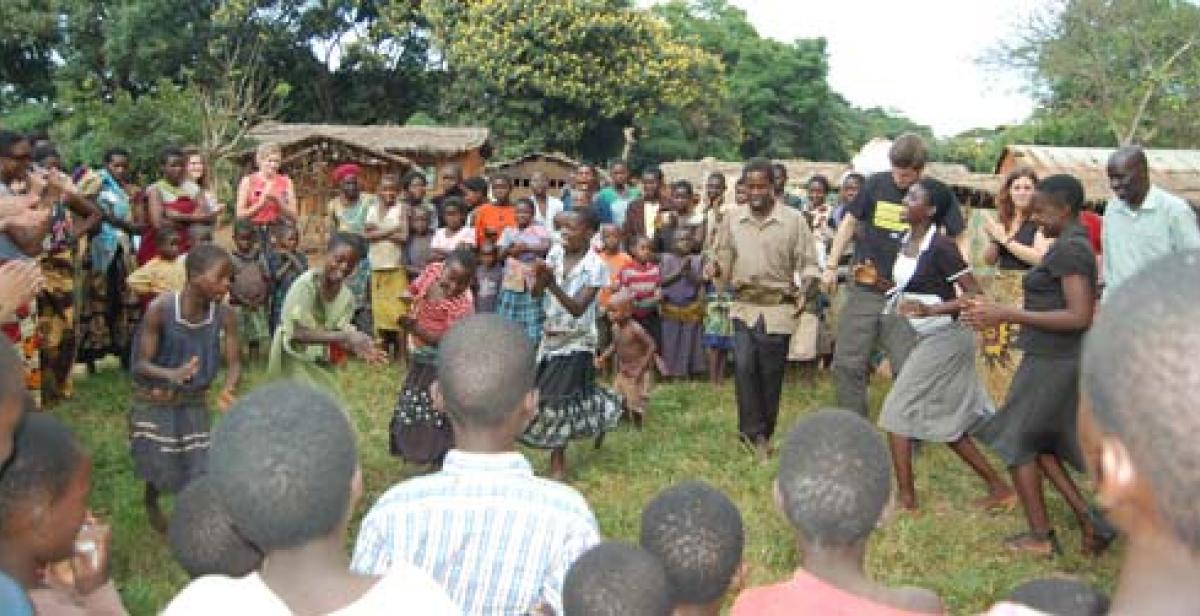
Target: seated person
<point>202,538</point>
<point>696,532</point>
<point>614,579</point>
<point>285,467</point>
<point>498,538</point>
<point>1137,429</point>
<point>833,483</point>
<point>49,543</point>
<point>1058,596</point>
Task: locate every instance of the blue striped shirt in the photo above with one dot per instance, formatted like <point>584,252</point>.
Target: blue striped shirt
<point>498,538</point>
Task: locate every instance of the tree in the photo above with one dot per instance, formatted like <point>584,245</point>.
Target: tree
<point>570,75</point>
<point>1131,66</point>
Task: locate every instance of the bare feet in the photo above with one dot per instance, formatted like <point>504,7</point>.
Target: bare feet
<point>762,450</point>
<point>1038,544</point>
<point>1000,497</point>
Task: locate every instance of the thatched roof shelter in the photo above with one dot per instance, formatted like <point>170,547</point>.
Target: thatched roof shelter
<point>557,166</point>
<point>1176,171</point>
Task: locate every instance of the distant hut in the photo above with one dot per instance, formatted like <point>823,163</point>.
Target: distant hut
<point>1176,171</point>
<point>558,169</point>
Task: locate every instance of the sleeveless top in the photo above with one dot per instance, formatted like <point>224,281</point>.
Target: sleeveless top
<point>182,199</point>
<point>181,340</point>
<point>1024,236</point>
<point>259,188</point>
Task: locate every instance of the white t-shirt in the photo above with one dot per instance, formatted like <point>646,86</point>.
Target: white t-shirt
<point>386,254</point>
<point>404,586</point>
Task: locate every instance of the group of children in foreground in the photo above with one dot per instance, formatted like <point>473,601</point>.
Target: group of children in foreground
<point>263,531</point>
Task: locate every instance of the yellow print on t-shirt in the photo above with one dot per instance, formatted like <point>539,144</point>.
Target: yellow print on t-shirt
<point>888,216</point>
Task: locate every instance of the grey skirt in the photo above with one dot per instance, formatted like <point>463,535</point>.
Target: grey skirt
<point>169,440</point>
<point>1040,414</point>
<point>938,395</point>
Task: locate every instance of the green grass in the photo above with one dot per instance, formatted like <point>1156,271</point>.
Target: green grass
<point>690,433</point>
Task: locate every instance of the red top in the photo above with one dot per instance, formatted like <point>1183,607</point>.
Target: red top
<point>259,189</point>
<point>808,594</point>
<point>436,316</point>
<point>148,249</point>
<point>642,282</point>
<point>1094,223</point>
<point>492,216</point>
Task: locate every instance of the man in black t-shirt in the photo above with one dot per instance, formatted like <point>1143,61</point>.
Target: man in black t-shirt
<point>874,219</point>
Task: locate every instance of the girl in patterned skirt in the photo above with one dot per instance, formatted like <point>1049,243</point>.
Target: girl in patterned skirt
<point>440,297</point>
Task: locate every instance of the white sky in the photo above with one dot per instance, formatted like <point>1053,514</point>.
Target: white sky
<point>881,50</point>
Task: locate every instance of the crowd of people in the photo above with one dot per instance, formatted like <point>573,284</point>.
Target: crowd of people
<point>548,319</point>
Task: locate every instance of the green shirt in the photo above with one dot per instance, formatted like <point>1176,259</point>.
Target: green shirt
<point>304,307</point>
<point>1165,224</point>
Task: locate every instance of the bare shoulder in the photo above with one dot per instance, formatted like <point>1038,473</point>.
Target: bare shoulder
<point>916,599</point>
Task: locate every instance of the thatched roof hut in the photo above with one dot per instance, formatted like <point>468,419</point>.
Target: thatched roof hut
<point>558,168</point>
<point>1176,171</point>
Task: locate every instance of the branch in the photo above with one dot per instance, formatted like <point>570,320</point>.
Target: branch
<point>1152,87</point>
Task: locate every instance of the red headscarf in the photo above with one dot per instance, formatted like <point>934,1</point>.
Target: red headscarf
<point>341,172</point>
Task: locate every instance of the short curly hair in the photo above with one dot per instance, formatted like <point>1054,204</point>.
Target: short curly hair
<point>202,538</point>
<point>615,579</point>
<point>697,534</point>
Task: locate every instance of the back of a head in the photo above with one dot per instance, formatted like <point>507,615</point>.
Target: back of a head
<point>202,258</point>
<point>45,458</point>
<point>1140,375</point>
<point>834,477</point>
<point>614,579</point>
<point>202,537</point>
<point>1061,597</point>
<point>485,368</point>
<point>283,460</point>
<point>696,532</point>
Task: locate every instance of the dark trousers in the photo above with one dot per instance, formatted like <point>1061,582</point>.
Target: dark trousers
<point>759,361</point>
<point>861,327</point>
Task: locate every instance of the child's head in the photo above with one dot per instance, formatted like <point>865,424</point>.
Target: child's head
<point>612,237</point>
<point>209,269</point>
<point>488,254</point>
<point>696,532</point>
<point>44,491</point>
<point>1061,596</point>
<point>618,172</point>
<point>818,189</point>
<point>167,239</point>
<point>389,188</point>
<point>458,272</point>
<point>455,213</point>
<point>714,187</point>
<point>581,226</point>
<point>652,183</point>
<point>244,236</point>
<point>342,255</point>
<point>475,191</point>
<point>202,537</point>
<point>1138,419</point>
<point>643,250</point>
<point>620,307</point>
<point>285,466</point>
<point>485,378</point>
<point>287,236</point>
<point>419,220</point>
<point>682,242</point>
<point>616,579</point>
<point>682,196</point>
<point>525,211</point>
<point>834,478</point>
<point>200,234</point>
<point>501,188</point>
<point>560,221</point>
<point>13,399</point>
<point>414,185</point>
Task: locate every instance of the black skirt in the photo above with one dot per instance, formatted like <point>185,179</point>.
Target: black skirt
<point>419,432</point>
<point>571,405</point>
<point>169,440</point>
<point>1040,414</point>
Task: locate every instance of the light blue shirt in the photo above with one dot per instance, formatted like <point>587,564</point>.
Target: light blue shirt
<point>1133,238</point>
<point>496,537</point>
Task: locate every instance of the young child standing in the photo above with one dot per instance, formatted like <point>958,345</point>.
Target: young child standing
<point>491,219</point>
<point>488,278</point>
<point>642,279</point>
<point>387,230</point>
<point>456,234</point>
<point>419,249</point>
<point>682,307</point>
<point>440,296</point>
<point>161,274</point>
<point>615,259</point>
<point>523,244</point>
<point>287,262</point>
<point>250,289</point>
<point>635,351</point>
<point>176,358</point>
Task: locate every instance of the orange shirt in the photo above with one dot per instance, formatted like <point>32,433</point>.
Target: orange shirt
<point>615,264</point>
<point>808,594</point>
<point>492,216</point>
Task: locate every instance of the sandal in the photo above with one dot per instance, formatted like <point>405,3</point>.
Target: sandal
<point>1042,544</point>
<point>1097,534</point>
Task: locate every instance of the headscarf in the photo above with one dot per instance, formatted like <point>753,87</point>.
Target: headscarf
<point>341,172</point>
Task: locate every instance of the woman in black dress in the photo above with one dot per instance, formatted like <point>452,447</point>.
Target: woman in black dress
<point>1035,431</point>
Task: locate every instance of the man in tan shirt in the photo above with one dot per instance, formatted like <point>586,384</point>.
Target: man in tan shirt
<point>763,251</point>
